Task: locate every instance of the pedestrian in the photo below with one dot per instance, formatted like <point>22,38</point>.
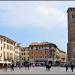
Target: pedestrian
<point>72,67</point>
<point>33,65</point>
<point>46,65</point>
<point>66,66</point>
<point>12,66</point>
<point>28,65</point>
<point>5,66</point>
<point>49,66</point>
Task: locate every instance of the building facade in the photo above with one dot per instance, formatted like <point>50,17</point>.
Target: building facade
<point>60,56</point>
<point>7,50</point>
<point>17,53</point>
<point>45,51</point>
<point>71,35</point>
<point>24,54</point>
<point>63,56</point>
<point>39,51</point>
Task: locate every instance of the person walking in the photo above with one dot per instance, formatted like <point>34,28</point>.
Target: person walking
<point>12,66</point>
<point>72,67</point>
<point>66,66</point>
<point>28,65</point>
<point>49,66</point>
<point>5,66</point>
<point>46,65</point>
<point>33,65</point>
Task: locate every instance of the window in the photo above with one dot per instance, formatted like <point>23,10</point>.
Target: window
<point>1,41</point>
<point>11,42</point>
<point>7,55</point>
<point>4,40</point>
<point>32,47</point>
<point>7,46</point>
<point>39,47</point>
<point>45,56</point>
<point>28,53</point>
<point>1,48</point>
<point>4,55</point>
<point>41,56</point>
<point>49,47</point>
<point>36,48</point>
<point>50,56</point>
<point>0,54</point>
<point>24,53</point>
<point>4,45</point>
<point>24,49</point>
<point>20,56</point>
<point>7,41</point>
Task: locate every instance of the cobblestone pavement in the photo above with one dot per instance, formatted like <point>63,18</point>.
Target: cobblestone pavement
<point>38,70</point>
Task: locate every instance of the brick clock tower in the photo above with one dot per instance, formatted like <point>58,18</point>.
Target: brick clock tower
<point>71,35</point>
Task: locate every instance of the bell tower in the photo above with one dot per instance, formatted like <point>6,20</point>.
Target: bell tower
<point>71,35</point>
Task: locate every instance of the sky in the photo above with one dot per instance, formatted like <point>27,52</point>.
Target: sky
<point>35,21</point>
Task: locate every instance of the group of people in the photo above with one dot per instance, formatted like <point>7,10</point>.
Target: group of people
<point>11,66</point>
<point>48,66</point>
<point>27,64</point>
<point>69,65</point>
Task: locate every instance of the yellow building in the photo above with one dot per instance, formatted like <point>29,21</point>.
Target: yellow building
<point>60,56</point>
<point>63,56</point>
<point>7,50</point>
<point>24,54</point>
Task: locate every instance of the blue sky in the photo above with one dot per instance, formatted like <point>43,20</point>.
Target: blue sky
<point>35,21</point>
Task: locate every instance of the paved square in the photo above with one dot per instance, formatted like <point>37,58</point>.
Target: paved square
<point>38,70</point>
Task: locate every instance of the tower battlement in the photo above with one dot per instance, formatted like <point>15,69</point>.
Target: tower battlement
<point>71,9</point>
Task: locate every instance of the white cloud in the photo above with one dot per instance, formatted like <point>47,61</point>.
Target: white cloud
<point>50,16</point>
<point>20,15</point>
